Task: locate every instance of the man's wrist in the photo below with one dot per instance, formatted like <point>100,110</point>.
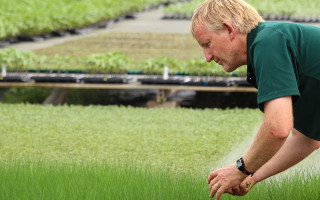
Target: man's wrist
<point>241,167</point>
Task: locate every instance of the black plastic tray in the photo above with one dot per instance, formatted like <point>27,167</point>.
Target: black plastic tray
<point>111,80</point>
<point>160,81</point>
<point>207,83</point>
<point>14,79</point>
<point>54,79</point>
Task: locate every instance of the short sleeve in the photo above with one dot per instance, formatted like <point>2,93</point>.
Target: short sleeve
<point>274,68</point>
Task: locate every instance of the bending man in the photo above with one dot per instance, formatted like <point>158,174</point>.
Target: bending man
<point>284,65</point>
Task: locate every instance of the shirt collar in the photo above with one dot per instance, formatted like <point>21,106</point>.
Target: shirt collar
<point>251,78</point>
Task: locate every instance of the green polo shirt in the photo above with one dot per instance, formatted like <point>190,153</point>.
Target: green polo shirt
<point>283,59</point>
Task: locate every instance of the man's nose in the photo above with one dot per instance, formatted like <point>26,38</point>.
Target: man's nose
<point>208,55</point>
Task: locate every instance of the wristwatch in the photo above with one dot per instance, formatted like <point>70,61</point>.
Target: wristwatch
<point>241,167</point>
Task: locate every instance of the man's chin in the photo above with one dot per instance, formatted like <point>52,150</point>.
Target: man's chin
<point>228,68</point>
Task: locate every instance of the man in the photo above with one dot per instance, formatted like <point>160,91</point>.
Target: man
<point>283,62</point>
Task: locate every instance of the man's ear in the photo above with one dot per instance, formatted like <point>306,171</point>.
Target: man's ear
<point>230,29</point>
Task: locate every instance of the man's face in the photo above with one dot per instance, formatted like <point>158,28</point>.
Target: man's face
<point>219,46</point>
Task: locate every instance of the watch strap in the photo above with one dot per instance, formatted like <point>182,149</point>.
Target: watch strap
<point>241,167</point>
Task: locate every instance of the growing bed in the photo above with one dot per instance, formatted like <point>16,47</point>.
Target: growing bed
<point>96,152</point>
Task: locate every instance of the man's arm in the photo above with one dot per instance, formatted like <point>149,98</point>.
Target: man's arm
<point>273,132</point>
<point>295,149</point>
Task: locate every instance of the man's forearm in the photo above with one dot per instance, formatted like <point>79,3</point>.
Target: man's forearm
<point>264,146</point>
<point>295,149</point>
<point>273,132</point>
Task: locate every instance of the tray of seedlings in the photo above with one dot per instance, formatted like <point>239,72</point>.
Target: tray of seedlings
<point>14,78</point>
<point>55,79</point>
<point>40,25</point>
<point>160,81</point>
<point>207,82</point>
<point>104,80</point>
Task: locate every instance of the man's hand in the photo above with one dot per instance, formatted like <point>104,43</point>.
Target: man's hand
<point>243,188</point>
<point>224,179</point>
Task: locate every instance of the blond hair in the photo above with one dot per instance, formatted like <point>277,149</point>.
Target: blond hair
<point>241,15</point>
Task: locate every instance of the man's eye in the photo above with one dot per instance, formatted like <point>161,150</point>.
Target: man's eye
<point>207,45</point>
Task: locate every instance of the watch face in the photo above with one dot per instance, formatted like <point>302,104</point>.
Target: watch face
<point>239,164</point>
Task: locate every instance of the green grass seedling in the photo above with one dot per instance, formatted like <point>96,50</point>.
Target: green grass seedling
<point>120,180</point>
<point>45,180</point>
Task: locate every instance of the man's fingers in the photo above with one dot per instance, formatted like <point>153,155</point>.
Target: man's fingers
<point>214,188</point>
<point>224,179</point>
<point>220,191</point>
<point>212,182</point>
<point>250,184</point>
<point>212,175</point>
<point>243,183</point>
<point>245,187</point>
